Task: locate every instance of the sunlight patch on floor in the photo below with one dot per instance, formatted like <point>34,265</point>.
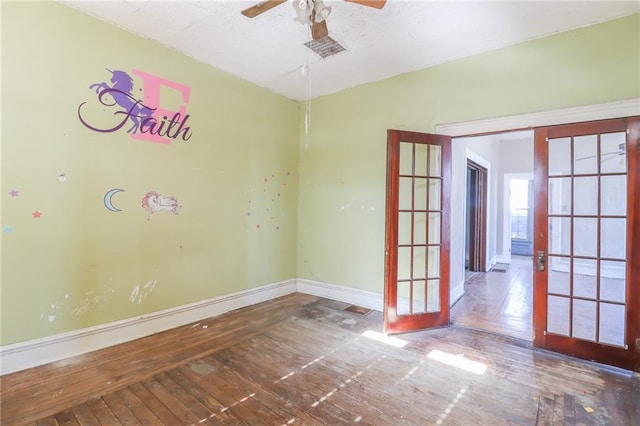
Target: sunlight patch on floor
<point>389,340</point>
<point>458,361</point>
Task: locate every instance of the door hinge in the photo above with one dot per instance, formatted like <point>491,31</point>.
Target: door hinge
<point>638,344</point>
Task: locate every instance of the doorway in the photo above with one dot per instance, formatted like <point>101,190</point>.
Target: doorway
<point>497,291</point>
<point>476,218</point>
<point>585,225</point>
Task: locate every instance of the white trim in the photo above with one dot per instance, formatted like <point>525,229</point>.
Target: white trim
<point>492,262</point>
<point>456,293</point>
<point>615,109</point>
<point>366,299</point>
<point>36,352</point>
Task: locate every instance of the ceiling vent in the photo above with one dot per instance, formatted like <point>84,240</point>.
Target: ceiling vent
<point>325,47</point>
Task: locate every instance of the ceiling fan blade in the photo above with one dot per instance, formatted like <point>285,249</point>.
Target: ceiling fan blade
<point>261,7</point>
<point>378,4</point>
<point>319,30</point>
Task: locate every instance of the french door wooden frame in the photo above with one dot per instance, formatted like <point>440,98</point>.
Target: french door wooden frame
<point>624,354</point>
<point>477,217</point>
<point>418,296</point>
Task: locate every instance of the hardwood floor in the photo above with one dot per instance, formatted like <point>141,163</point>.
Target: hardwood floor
<point>305,360</point>
<point>500,302</point>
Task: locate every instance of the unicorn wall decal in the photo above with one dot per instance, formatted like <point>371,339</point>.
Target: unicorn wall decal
<point>148,120</point>
<point>120,91</point>
<point>154,202</point>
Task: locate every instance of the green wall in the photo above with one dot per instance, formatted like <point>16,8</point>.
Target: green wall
<point>80,264</point>
<point>343,161</point>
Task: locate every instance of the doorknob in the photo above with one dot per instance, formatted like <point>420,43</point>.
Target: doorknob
<point>541,260</point>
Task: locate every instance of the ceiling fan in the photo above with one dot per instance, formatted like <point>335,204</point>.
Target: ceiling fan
<point>309,12</point>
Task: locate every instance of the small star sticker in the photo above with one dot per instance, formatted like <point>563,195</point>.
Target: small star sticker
<point>14,193</point>
<point>36,214</point>
<point>8,229</point>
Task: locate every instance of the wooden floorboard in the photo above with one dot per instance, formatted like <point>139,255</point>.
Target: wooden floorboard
<point>304,360</point>
<point>500,302</point>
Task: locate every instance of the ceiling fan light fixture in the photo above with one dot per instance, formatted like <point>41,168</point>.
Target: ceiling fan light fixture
<point>303,9</point>
<point>322,12</point>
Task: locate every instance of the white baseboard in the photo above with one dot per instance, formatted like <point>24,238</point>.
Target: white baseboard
<point>366,299</point>
<point>457,292</point>
<point>492,262</point>
<point>23,355</point>
<point>33,353</point>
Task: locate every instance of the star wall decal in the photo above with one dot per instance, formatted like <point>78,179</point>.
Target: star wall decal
<point>36,214</point>
<point>14,193</point>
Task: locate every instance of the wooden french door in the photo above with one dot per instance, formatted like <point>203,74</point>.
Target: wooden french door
<point>587,241</point>
<point>417,231</point>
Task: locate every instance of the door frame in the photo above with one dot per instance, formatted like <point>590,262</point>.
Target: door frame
<point>477,216</point>
<point>529,121</point>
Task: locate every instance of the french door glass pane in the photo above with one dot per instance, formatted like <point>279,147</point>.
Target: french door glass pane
<point>435,160</point>
<point>612,281</point>
<point>419,228</point>
<point>559,281</point>
<point>612,238</point>
<point>420,194</point>
<point>559,156</point>
<point>434,262</point>
<point>585,154</point>
<point>433,295</point>
<point>421,160</point>
<point>419,297</point>
<point>613,157</point>
<point>613,195</point>
<point>560,235</point>
<point>435,194</point>
<point>585,195</point>
<point>404,195</point>
<point>404,228</point>
<point>404,263</point>
<point>419,259</point>
<point>585,236</point>
<point>584,319</point>
<point>612,324</point>
<point>558,315</point>
<point>406,158</point>
<point>403,302</point>
<point>585,278</point>
<point>434,228</point>
<point>559,196</point>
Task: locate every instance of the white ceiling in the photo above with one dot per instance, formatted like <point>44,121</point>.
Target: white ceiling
<point>404,36</point>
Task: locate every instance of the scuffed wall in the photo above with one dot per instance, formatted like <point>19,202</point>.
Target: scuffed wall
<point>109,209</point>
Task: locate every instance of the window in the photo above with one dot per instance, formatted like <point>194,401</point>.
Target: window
<point>520,205</point>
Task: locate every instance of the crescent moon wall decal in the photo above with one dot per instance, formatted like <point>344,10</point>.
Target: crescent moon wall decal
<point>107,199</point>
